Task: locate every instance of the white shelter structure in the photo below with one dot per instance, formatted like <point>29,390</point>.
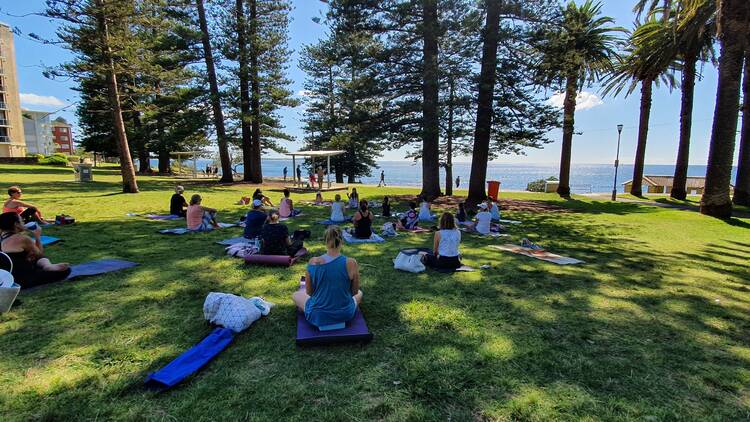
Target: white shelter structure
<point>313,154</point>
<point>188,155</point>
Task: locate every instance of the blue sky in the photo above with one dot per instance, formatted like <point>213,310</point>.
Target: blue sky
<point>597,122</point>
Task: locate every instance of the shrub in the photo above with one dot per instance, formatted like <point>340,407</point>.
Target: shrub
<point>538,185</point>
<point>56,159</point>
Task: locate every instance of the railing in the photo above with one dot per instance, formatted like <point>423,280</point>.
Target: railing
<point>4,122</point>
<point>4,139</point>
<point>3,106</point>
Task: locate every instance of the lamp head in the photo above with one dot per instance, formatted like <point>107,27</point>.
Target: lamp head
<point>619,128</point>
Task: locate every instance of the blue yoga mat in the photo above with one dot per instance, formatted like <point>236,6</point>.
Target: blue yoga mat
<point>99,267</point>
<point>349,238</point>
<point>48,240</point>
<point>329,222</point>
<point>191,361</point>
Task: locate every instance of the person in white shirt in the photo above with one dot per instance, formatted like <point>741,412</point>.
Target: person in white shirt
<point>337,210</point>
<point>424,211</point>
<point>483,220</point>
<point>445,245</point>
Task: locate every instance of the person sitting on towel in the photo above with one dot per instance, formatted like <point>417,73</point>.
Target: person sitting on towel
<point>275,238</point>
<point>198,217</point>
<point>386,207</point>
<point>27,211</point>
<point>318,198</point>
<point>363,221</point>
<point>254,221</point>
<point>493,209</point>
<point>178,203</point>
<point>286,206</point>
<point>445,245</point>
<point>332,293</point>
<point>424,211</point>
<point>30,267</point>
<point>461,214</point>
<point>337,210</point>
<point>410,219</point>
<point>483,225</point>
<point>353,198</point>
<point>258,194</point>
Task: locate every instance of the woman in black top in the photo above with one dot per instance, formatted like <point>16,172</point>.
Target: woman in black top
<point>30,267</point>
<point>363,221</point>
<point>461,215</point>
<point>258,194</point>
<point>386,207</point>
<point>275,238</point>
<point>178,203</point>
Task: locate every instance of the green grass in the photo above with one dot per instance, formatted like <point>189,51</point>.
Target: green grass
<point>654,327</point>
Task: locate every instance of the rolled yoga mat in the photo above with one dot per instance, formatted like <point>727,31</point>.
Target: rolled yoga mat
<point>355,331</point>
<point>275,260</point>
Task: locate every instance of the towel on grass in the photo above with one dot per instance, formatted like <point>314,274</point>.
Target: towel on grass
<point>49,240</point>
<point>538,254</point>
<point>490,234</point>
<point>504,221</point>
<point>162,217</point>
<point>330,223</point>
<point>349,238</point>
<point>101,266</point>
<point>235,241</point>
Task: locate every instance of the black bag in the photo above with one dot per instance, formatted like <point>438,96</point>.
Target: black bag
<point>64,220</point>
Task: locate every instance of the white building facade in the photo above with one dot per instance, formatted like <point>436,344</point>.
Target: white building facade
<point>37,130</point>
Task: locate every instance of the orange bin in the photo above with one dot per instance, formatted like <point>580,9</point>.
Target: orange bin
<point>493,189</point>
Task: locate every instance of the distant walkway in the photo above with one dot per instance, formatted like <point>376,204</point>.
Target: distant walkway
<point>684,207</point>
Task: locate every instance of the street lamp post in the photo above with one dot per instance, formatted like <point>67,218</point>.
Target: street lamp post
<point>617,163</point>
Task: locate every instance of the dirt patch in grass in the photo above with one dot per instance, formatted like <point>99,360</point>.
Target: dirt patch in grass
<point>517,205</point>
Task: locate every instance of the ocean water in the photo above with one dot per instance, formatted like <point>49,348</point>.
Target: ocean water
<point>584,178</point>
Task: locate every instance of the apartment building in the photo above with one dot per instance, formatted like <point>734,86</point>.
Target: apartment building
<point>37,130</point>
<point>62,136</point>
<point>12,142</point>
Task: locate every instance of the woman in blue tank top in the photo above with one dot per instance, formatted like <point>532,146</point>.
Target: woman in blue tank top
<point>332,293</point>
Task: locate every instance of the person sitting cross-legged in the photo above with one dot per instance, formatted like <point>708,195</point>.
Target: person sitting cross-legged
<point>483,225</point>
<point>254,220</point>
<point>275,238</point>
<point>200,218</point>
<point>445,245</point>
<point>27,211</point>
<point>332,293</point>
<point>337,210</point>
<point>363,221</point>
<point>286,206</point>
<point>178,204</point>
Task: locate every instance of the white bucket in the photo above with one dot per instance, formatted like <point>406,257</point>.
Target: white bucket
<point>7,294</point>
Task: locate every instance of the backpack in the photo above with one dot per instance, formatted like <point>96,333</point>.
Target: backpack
<point>63,220</point>
<point>389,230</point>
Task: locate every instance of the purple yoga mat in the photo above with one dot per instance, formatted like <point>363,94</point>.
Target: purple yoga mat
<point>355,331</point>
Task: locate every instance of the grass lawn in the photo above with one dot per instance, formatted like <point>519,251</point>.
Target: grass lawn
<point>655,326</point>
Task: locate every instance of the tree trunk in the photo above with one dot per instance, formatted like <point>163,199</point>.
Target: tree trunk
<point>256,171</point>
<point>569,111</point>
<point>679,186</point>
<point>351,178</point>
<point>733,17</point>
<point>430,91</point>
<point>742,186</point>
<point>640,151</point>
<point>449,141</point>
<point>221,133</point>
<point>339,177</point>
<point>480,154</point>
<point>247,141</point>
<point>129,183</point>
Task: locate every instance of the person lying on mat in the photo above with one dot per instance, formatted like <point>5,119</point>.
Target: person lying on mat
<point>178,204</point>
<point>461,214</point>
<point>337,210</point>
<point>286,206</point>
<point>493,209</point>
<point>30,267</point>
<point>410,219</point>
<point>483,224</point>
<point>363,221</point>
<point>27,211</point>
<point>254,221</point>
<point>386,207</point>
<point>275,238</point>
<point>258,194</point>
<point>200,218</point>
<point>332,293</point>
<point>424,210</point>
<point>353,198</point>
<point>445,245</point>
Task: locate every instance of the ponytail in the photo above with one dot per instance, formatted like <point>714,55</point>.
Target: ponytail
<point>333,237</point>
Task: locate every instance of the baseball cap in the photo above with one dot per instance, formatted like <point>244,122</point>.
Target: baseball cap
<point>257,203</point>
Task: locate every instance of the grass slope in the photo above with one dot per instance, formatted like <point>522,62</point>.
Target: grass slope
<point>655,325</point>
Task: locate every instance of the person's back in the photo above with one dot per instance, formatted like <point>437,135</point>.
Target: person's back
<point>285,208</point>
<point>461,215</point>
<point>177,205</point>
<point>386,209</point>
<point>484,220</point>
<point>331,301</point>
<point>275,237</point>
<point>254,221</point>
<point>337,211</point>
<point>363,227</point>
<point>450,239</point>
<point>194,216</point>
<point>495,211</point>
<point>424,211</point>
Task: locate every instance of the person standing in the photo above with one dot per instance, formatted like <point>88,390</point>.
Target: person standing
<point>321,174</point>
<point>285,173</point>
<point>299,174</point>
<point>382,178</point>
<point>458,181</point>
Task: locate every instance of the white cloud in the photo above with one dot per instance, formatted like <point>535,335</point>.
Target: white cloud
<point>304,93</point>
<point>584,100</point>
<point>42,100</point>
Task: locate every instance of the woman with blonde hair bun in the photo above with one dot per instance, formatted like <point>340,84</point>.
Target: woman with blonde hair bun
<point>332,293</point>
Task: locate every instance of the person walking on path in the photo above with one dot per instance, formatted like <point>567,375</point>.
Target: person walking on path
<point>285,173</point>
<point>458,181</point>
<point>299,174</point>
<point>382,178</point>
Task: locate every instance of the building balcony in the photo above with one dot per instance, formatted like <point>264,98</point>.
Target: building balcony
<point>4,122</point>
<point>3,106</point>
<point>4,139</point>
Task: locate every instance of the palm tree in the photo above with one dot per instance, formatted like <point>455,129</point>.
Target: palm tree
<point>693,25</point>
<point>742,186</point>
<point>641,67</point>
<point>733,29</point>
<point>580,52</point>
